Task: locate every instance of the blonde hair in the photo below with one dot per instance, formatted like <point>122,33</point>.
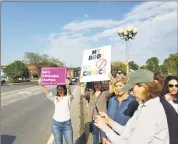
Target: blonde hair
<point>122,80</point>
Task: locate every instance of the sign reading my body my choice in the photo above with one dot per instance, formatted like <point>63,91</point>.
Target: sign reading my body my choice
<point>53,76</point>
<point>96,64</point>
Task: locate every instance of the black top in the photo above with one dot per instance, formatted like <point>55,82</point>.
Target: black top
<point>172,119</point>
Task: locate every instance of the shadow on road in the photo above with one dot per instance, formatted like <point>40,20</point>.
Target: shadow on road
<point>7,139</point>
<point>81,139</point>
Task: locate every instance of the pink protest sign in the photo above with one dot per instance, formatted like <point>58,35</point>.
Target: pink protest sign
<point>53,76</point>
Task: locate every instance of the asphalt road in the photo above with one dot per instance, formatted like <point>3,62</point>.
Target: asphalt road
<point>7,88</point>
<point>27,120</point>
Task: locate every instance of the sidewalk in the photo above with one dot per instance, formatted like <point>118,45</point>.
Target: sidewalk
<point>79,116</point>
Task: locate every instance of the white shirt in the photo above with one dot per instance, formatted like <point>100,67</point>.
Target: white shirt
<point>147,126</point>
<point>175,105</point>
<point>62,107</point>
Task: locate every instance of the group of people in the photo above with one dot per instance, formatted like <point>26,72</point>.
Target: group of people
<point>139,109</point>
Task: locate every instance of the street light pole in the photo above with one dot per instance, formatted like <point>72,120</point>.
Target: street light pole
<point>127,64</point>
<point>126,35</point>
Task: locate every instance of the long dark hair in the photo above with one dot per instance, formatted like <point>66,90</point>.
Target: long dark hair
<point>93,88</point>
<point>166,89</point>
<point>64,87</point>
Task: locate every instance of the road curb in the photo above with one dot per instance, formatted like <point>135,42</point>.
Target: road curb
<point>18,83</point>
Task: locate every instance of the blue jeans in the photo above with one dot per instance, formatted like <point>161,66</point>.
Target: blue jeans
<point>61,129</point>
<point>97,135</point>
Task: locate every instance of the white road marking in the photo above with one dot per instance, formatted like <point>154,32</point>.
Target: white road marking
<point>51,138</point>
<point>9,99</point>
<point>24,92</point>
<point>18,90</point>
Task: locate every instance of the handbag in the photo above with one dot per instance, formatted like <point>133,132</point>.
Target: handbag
<point>91,129</point>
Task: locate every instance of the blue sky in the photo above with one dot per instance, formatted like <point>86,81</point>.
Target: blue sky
<point>61,28</point>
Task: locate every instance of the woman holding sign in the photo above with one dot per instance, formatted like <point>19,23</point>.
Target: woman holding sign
<point>97,97</point>
<point>61,123</point>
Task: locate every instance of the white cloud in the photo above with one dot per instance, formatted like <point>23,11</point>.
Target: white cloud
<point>88,24</point>
<point>157,35</point>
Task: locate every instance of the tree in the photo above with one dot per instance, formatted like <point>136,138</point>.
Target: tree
<point>42,60</point>
<point>54,61</point>
<point>143,67</point>
<point>152,64</point>
<point>120,65</point>
<point>77,68</point>
<point>16,70</point>
<point>163,69</point>
<point>171,64</point>
<point>133,65</point>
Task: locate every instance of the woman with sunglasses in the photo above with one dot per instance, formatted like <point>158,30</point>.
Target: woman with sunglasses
<point>61,123</point>
<point>97,102</point>
<point>170,91</point>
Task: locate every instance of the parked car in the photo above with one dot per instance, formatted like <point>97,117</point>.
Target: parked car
<point>3,82</point>
<point>74,79</point>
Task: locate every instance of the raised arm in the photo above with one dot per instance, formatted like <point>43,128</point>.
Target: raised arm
<point>69,93</point>
<point>110,88</point>
<point>85,94</point>
<point>68,88</point>
<point>109,92</point>
<point>46,92</point>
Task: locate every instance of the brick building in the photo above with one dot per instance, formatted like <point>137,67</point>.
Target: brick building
<point>71,72</point>
<point>33,70</point>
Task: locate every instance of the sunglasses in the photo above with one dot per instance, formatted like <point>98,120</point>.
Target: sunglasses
<point>171,85</point>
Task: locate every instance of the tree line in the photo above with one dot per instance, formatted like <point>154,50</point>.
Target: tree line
<point>169,66</point>
<point>19,69</point>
